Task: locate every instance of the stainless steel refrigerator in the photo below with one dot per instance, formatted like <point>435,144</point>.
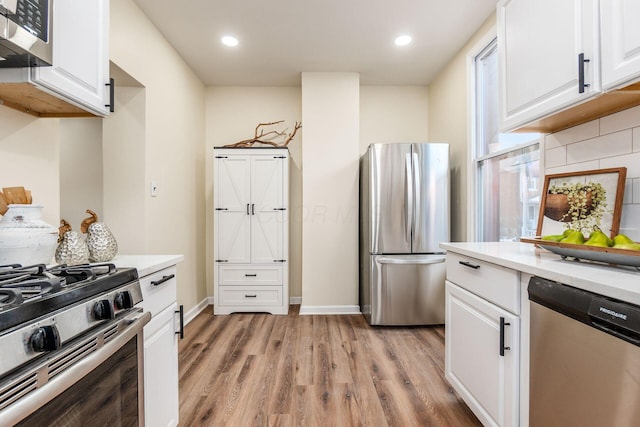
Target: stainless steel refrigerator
<point>404,215</point>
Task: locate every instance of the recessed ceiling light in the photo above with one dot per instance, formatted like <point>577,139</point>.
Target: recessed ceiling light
<point>229,41</point>
<point>402,40</point>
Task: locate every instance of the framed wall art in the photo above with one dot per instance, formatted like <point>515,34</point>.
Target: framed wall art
<point>582,200</point>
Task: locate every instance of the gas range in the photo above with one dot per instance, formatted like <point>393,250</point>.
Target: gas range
<point>42,308</point>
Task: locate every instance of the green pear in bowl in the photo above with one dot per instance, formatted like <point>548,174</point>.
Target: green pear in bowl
<point>557,237</point>
<point>574,237</point>
<point>553,237</point>
<point>622,241</point>
<point>598,238</point>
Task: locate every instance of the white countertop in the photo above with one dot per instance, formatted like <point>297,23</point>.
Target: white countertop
<point>147,264</point>
<point>616,282</point>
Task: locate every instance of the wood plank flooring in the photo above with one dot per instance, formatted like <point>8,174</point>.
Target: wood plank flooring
<point>263,370</point>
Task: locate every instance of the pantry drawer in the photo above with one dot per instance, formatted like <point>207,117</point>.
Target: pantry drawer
<point>494,283</point>
<point>250,295</point>
<point>243,275</point>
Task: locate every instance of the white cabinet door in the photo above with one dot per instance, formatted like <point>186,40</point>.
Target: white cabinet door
<point>620,38</point>
<point>539,44</point>
<point>249,208</point>
<point>80,68</point>
<point>485,379</point>
<point>233,208</point>
<point>266,209</point>
<point>161,370</point>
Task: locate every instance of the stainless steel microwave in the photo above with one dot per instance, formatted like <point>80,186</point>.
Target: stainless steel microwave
<point>25,33</point>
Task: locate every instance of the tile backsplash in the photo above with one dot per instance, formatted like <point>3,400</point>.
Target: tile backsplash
<point>608,142</point>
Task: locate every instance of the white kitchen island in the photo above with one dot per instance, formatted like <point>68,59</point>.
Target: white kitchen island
<point>487,326</point>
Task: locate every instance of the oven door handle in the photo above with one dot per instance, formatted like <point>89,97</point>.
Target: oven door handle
<point>22,408</point>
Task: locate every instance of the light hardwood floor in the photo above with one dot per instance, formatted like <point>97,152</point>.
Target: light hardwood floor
<point>263,370</point>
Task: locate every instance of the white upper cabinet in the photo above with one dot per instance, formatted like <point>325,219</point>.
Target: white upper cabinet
<point>80,71</point>
<point>540,44</point>
<point>620,35</point>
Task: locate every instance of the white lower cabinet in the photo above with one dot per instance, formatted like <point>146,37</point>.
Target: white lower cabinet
<point>482,342</point>
<point>160,380</point>
<point>161,348</point>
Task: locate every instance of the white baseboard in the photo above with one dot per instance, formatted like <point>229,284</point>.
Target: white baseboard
<point>330,309</point>
<point>323,309</point>
<point>191,314</point>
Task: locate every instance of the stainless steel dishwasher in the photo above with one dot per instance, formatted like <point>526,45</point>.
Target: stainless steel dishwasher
<point>585,358</point>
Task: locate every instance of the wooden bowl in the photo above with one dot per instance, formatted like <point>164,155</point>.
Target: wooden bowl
<point>556,207</point>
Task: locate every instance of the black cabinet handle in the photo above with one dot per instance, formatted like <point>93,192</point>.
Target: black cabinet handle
<point>253,208</point>
<point>468,264</point>
<point>581,84</point>
<point>112,92</point>
<point>502,325</point>
<point>164,279</point>
<point>181,331</point>
<point>248,209</point>
<point>250,275</point>
<point>251,296</point>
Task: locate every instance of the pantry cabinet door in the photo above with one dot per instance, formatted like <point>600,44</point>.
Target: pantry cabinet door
<point>267,187</point>
<point>539,43</point>
<point>232,205</point>
<point>620,42</point>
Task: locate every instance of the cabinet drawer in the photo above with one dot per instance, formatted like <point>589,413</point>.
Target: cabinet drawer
<point>158,290</point>
<point>242,275</point>
<point>492,282</point>
<point>250,296</point>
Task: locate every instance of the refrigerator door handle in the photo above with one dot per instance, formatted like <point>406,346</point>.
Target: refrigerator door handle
<point>415,224</point>
<point>431,259</point>
<point>408,205</point>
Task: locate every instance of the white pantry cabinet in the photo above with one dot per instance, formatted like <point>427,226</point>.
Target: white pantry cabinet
<point>77,83</point>
<point>540,44</point>
<point>620,38</point>
<point>251,202</point>
<point>482,343</point>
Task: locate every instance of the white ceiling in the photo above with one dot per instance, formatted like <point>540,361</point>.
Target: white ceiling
<point>279,39</point>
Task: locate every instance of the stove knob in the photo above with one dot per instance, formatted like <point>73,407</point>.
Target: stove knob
<point>102,310</point>
<point>123,300</point>
<point>45,338</point>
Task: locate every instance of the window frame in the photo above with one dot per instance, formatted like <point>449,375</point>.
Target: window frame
<point>473,160</point>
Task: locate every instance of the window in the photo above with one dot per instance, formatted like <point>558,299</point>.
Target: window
<point>505,166</point>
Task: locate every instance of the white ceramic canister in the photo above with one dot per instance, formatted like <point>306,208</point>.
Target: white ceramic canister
<point>25,238</point>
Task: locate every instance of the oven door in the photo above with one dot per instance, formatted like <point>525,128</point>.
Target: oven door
<point>103,387</point>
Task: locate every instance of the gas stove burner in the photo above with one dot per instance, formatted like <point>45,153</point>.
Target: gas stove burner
<point>10,297</point>
<point>7,271</point>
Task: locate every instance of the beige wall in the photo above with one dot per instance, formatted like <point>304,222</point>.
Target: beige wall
<point>29,153</point>
<point>232,113</point>
<point>174,221</point>
<point>449,122</point>
<point>80,170</point>
<point>393,114</point>
<point>330,113</point>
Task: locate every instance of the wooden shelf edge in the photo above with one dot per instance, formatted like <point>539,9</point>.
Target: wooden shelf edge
<point>603,105</point>
<point>27,98</point>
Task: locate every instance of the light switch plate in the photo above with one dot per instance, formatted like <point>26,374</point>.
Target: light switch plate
<point>154,189</point>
